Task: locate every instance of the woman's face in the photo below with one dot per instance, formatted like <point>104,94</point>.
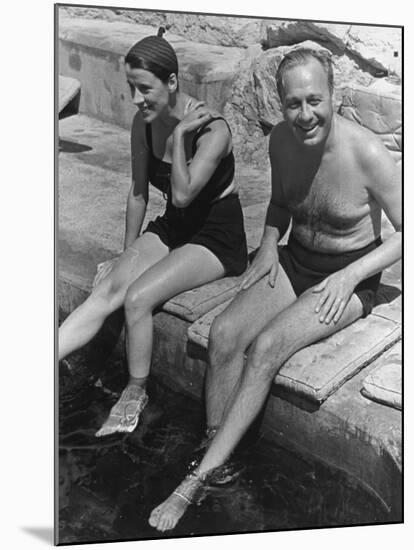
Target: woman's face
<point>149,93</point>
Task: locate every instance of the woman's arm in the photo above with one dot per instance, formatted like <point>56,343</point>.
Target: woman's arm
<point>188,180</point>
<point>138,194</point>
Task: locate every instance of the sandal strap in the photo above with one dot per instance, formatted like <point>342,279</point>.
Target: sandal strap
<point>182,496</point>
<point>136,407</point>
<point>190,487</point>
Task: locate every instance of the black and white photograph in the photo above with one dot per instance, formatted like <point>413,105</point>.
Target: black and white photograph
<point>228,273</point>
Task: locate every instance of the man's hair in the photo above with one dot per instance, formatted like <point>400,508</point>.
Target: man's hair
<point>302,56</point>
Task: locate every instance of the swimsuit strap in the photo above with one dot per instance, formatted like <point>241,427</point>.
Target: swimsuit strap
<point>148,136</point>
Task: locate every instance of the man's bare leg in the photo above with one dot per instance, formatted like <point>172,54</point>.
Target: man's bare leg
<point>184,268</point>
<point>85,321</point>
<point>294,328</point>
<point>231,334</point>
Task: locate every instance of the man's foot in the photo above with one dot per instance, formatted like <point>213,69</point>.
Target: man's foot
<point>166,516</point>
<point>125,413</point>
<point>222,475</point>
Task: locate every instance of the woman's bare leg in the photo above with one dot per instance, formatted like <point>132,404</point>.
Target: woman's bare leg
<point>183,269</point>
<point>85,321</point>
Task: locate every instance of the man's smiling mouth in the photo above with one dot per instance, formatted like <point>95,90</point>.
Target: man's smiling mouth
<point>308,130</point>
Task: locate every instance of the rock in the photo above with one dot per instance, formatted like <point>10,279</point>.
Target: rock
<point>370,47</point>
<point>332,36</point>
<point>250,142</point>
<point>209,29</point>
<point>377,107</point>
<point>374,45</point>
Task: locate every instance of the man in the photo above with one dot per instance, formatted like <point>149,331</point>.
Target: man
<point>330,178</point>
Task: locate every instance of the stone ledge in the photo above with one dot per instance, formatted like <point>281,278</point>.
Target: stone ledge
<point>384,383</point>
<point>317,371</point>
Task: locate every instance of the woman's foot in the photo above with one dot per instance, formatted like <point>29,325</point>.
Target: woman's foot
<point>166,516</point>
<point>125,413</point>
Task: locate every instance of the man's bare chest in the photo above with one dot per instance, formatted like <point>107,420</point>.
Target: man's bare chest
<point>327,199</point>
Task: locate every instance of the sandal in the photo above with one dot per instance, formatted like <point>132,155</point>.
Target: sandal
<point>124,415</point>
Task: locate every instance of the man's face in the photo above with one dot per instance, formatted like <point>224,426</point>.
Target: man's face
<point>307,103</point>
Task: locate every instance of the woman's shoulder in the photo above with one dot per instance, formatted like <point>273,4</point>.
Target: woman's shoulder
<point>217,121</point>
<point>215,134</point>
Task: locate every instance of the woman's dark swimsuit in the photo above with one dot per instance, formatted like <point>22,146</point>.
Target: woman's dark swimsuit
<point>216,224</point>
<point>306,268</point>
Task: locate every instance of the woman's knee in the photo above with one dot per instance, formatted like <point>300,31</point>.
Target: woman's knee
<point>107,293</point>
<point>137,302</point>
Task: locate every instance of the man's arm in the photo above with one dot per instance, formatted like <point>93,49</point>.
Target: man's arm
<point>277,216</point>
<point>138,194</point>
<point>276,224</point>
<point>384,185</point>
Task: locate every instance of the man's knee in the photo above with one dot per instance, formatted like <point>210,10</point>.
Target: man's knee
<point>225,336</point>
<point>267,353</point>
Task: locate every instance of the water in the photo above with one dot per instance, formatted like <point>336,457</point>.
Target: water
<point>108,487</point>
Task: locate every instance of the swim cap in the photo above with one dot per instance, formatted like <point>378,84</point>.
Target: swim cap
<point>154,50</point>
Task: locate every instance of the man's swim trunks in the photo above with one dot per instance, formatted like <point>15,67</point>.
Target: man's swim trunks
<point>306,268</point>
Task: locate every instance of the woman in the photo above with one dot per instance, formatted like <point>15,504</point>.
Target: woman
<point>184,150</point>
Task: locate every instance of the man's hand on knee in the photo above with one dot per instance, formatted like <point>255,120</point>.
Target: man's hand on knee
<point>334,294</point>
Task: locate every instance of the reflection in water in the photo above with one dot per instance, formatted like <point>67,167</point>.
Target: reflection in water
<point>109,486</point>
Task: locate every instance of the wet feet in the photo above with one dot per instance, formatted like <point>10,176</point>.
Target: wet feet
<point>125,413</point>
<point>166,516</point>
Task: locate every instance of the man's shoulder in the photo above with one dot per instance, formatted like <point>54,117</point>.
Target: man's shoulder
<point>366,146</point>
